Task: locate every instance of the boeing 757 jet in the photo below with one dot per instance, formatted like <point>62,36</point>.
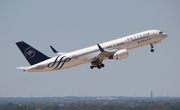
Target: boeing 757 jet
<point>115,49</point>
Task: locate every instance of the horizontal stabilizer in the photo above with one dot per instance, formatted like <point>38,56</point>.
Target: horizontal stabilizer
<point>22,67</point>
<point>56,52</point>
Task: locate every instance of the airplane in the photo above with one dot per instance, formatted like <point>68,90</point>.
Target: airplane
<point>115,49</point>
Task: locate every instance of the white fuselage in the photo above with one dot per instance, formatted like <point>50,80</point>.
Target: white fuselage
<point>86,55</point>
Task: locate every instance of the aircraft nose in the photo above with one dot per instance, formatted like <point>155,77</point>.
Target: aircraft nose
<point>165,35</point>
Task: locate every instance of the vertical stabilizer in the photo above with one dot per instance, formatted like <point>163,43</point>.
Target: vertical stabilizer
<point>32,55</point>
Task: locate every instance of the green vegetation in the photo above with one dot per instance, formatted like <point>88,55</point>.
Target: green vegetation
<point>90,103</point>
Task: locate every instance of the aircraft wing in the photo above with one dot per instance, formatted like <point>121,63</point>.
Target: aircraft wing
<point>103,55</point>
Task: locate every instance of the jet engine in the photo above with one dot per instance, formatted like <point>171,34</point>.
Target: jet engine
<point>121,54</point>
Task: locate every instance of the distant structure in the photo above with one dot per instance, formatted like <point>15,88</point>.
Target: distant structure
<point>151,97</point>
<point>31,94</point>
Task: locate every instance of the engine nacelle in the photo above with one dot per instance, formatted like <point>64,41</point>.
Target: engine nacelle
<point>119,54</point>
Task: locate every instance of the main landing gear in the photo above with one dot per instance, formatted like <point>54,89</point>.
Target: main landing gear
<point>152,47</point>
<point>98,66</point>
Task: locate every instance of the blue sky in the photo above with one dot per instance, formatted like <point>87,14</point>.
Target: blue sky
<point>71,25</point>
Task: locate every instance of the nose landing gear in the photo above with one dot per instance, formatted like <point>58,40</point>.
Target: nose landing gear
<point>152,47</point>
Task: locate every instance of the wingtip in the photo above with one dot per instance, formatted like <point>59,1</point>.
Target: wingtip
<point>100,48</point>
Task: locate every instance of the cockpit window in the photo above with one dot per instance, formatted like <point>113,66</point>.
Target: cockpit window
<point>160,32</point>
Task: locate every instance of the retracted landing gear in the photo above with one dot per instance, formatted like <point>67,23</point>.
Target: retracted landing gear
<point>99,66</point>
<point>152,47</point>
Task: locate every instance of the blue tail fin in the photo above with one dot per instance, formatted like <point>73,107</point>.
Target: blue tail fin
<point>32,55</point>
